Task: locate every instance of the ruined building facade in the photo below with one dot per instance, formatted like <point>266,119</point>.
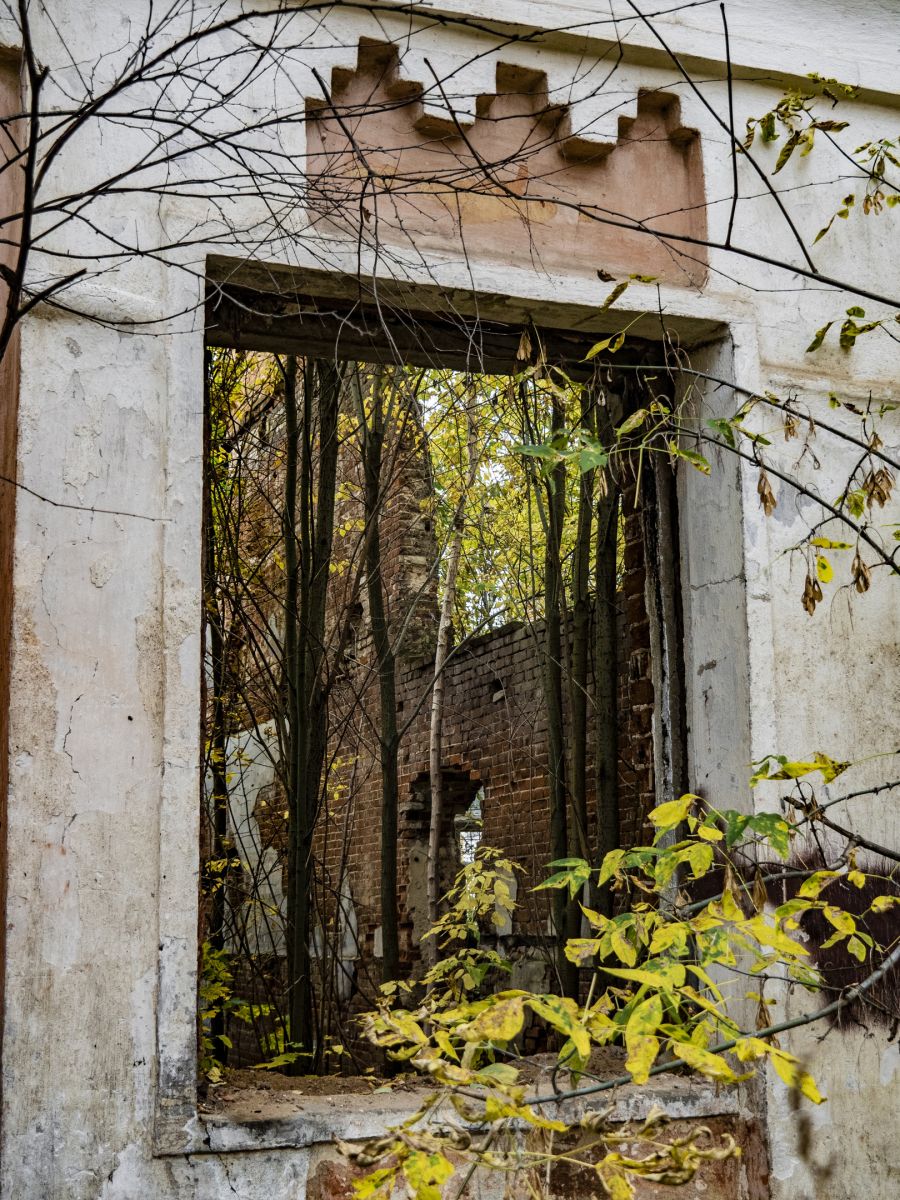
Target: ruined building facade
<point>303,180</point>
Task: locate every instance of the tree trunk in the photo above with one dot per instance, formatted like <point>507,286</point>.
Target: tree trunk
<point>373,437</point>
<point>437,696</point>
<point>308,523</point>
<point>578,675</point>
<point>553,698</point>
<point>217,734</point>
<point>299,980</point>
<point>606,746</point>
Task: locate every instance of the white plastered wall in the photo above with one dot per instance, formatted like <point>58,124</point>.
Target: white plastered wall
<point>104,753</point>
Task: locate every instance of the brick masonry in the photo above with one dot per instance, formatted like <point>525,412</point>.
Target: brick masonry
<point>494,740</point>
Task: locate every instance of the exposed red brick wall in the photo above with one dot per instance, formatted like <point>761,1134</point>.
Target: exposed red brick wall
<point>495,737</point>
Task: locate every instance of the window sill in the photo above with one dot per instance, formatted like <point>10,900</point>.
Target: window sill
<point>258,1119</point>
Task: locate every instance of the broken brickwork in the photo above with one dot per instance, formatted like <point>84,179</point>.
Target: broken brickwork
<point>494,743</point>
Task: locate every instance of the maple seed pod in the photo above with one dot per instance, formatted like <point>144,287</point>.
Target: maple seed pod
<point>878,486</point>
<point>809,596</point>
<point>862,578</point>
<point>766,495</point>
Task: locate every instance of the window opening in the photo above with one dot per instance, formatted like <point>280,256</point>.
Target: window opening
<point>334,491</point>
<point>469,829</point>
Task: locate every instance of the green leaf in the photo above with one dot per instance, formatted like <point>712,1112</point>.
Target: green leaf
<point>775,829</point>
<point>691,456</point>
<point>724,428</point>
<point>767,129</point>
<point>591,457</point>
<point>819,338</point>
<point>630,424</point>
<point>824,230</point>
<point>542,452</point>
<point>576,872</point>
<point>787,150</point>
<point>613,343</point>
<point>735,825</point>
<point>501,1073</point>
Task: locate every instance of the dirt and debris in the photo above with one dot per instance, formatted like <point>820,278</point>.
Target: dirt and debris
<point>606,1063</point>
<point>238,1082</point>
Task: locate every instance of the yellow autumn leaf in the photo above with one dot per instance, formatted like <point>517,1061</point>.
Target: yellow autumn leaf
<point>841,920</point>
<point>622,948</point>
<point>829,768</point>
<point>710,833</point>
<point>497,1109</point>
<point>824,569</point>
<point>811,887</point>
<point>667,815</point>
<point>640,1043</point>
<point>560,1011</point>
<point>711,1065</point>
<point>499,1023</point>
<point>666,975</point>
<point>616,1186</point>
<point>727,908</point>
<point>425,1173</point>
<point>749,1049</point>
<point>857,948</point>
<point>443,1040</point>
<point>793,1074</point>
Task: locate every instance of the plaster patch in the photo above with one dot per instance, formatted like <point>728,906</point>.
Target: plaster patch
<point>148,639</point>
<point>889,1064</point>
<point>61,932</point>
<point>102,570</point>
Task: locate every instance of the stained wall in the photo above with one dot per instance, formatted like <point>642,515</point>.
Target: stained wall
<point>101,911</point>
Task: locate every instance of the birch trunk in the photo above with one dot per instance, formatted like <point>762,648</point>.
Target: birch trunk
<point>437,696</point>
